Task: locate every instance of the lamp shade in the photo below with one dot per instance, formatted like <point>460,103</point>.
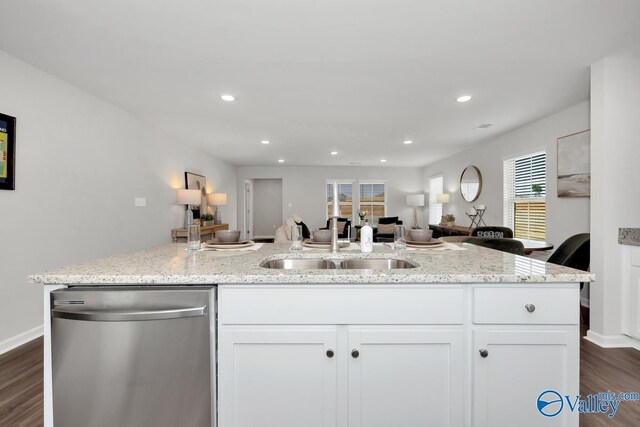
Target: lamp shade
<point>442,198</point>
<point>217,199</point>
<point>415,200</point>
<point>189,197</point>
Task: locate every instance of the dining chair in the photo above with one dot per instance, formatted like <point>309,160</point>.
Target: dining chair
<point>494,231</point>
<point>505,245</point>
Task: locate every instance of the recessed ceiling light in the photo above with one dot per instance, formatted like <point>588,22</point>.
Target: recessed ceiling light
<point>463,98</point>
<point>227,97</point>
<point>333,153</point>
<point>265,142</point>
<point>383,160</point>
<point>407,142</point>
<point>280,160</point>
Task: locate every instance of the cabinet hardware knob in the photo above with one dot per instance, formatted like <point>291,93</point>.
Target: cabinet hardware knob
<point>355,353</point>
<point>530,308</point>
<point>330,353</point>
<point>484,352</point>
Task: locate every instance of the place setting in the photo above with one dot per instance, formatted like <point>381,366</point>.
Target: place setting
<point>230,240</point>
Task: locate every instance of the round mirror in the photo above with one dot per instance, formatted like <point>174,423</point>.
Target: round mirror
<point>470,183</point>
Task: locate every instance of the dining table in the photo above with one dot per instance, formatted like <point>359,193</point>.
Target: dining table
<point>531,246</point>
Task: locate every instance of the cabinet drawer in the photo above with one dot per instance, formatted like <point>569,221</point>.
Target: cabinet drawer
<point>559,306</point>
<point>317,305</point>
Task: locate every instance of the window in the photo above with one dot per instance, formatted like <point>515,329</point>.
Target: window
<point>372,200</point>
<point>524,195</point>
<point>345,197</point>
<point>436,186</point>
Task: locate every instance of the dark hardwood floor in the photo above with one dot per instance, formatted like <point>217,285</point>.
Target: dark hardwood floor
<point>615,369</point>
<point>21,386</point>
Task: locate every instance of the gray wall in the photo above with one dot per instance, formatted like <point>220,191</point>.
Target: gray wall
<point>304,188</point>
<point>80,163</point>
<point>267,207</point>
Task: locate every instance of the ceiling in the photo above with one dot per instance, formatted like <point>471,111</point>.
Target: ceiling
<point>355,76</point>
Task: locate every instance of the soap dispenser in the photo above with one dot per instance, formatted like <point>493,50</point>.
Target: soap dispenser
<point>366,238</point>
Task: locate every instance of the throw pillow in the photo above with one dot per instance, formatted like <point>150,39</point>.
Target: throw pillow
<point>306,234</point>
<point>386,228</point>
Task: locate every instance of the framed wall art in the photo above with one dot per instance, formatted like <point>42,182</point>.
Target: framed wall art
<point>7,152</point>
<point>574,165</point>
<point>194,181</point>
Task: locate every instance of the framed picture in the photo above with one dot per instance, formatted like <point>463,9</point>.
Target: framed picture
<point>574,165</point>
<point>197,182</point>
<point>7,152</point>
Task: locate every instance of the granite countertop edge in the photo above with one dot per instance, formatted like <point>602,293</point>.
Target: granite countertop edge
<point>629,236</point>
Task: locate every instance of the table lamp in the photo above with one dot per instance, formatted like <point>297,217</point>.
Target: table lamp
<point>415,200</point>
<point>217,199</point>
<point>189,197</point>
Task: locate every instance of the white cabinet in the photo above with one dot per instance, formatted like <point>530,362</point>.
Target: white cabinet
<point>404,376</point>
<point>277,376</point>
<point>633,325</point>
<point>399,355</point>
<point>511,369</point>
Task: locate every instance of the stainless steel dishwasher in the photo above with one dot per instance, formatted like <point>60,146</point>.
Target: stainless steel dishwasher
<point>133,356</point>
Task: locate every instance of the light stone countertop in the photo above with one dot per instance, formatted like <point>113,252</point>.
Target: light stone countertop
<point>629,236</point>
<point>173,264</point>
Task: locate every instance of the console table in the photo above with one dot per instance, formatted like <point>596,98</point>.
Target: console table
<point>205,230</point>
<point>454,230</point>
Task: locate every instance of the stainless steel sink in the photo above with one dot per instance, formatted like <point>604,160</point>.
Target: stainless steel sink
<point>375,264</point>
<point>299,264</point>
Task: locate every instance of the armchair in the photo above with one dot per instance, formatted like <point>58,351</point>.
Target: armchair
<point>343,227</point>
<point>385,237</point>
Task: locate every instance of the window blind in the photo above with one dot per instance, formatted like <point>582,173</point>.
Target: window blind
<point>524,209</point>
<point>436,186</point>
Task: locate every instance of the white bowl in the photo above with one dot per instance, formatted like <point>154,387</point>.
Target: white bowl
<point>421,234</point>
<point>322,235</point>
<point>228,236</point>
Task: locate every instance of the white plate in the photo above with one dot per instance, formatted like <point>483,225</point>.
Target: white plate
<point>216,242</point>
<point>322,245</point>
<point>229,246</point>
<point>432,242</point>
<point>435,245</point>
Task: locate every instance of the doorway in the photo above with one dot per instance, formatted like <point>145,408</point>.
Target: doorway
<point>266,215</point>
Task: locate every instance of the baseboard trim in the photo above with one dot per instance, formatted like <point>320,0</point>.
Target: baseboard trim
<point>23,338</point>
<point>612,341</point>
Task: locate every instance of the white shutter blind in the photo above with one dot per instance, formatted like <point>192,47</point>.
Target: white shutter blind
<point>524,206</point>
<point>436,186</point>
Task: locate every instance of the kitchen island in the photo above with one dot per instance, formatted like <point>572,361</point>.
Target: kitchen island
<point>466,338</point>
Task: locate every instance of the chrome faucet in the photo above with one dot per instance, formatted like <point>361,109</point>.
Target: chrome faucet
<point>335,247</point>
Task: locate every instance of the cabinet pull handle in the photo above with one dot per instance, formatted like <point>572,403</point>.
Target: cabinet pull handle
<point>484,352</point>
<point>330,353</point>
<point>530,308</point>
<point>355,353</point>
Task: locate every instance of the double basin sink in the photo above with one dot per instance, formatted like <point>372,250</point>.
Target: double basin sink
<point>346,264</point>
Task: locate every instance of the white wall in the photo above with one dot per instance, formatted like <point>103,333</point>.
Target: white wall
<point>79,164</point>
<point>565,216</point>
<point>615,150</point>
<point>267,204</point>
<point>304,188</point>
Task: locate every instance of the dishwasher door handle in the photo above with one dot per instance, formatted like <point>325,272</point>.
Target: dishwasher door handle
<point>128,316</point>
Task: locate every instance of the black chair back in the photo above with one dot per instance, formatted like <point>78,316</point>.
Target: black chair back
<point>494,232</point>
<point>505,245</point>
<point>345,230</point>
<point>574,252</point>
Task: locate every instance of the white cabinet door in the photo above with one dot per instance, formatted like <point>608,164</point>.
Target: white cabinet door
<point>405,376</point>
<point>518,366</point>
<point>277,376</point>
<point>634,302</point>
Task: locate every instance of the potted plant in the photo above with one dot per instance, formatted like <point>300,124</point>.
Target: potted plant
<point>206,219</point>
<point>362,215</point>
<point>450,219</point>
